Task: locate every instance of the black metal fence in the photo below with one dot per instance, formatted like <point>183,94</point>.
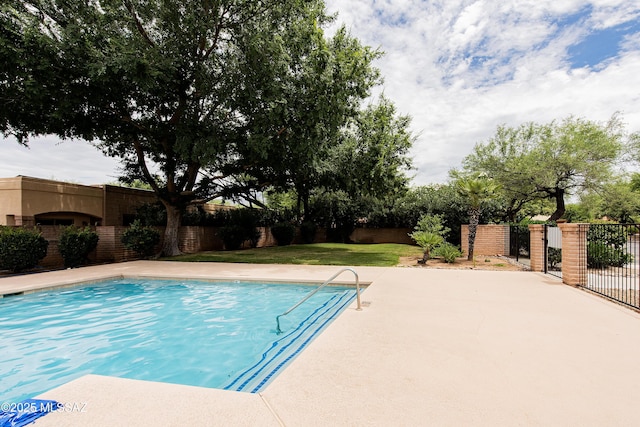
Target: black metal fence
<point>519,241</point>
<point>612,257</point>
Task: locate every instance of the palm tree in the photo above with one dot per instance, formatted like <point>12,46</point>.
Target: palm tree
<point>477,189</point>
<point>428,241</point>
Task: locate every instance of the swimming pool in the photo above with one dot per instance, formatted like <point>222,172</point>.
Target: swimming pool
<point>209,334</point>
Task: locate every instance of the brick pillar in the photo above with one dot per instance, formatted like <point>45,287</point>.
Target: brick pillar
<point>536,247</point>
<point>574,253</point>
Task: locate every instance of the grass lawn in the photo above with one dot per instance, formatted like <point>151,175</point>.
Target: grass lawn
<point>379,255</point>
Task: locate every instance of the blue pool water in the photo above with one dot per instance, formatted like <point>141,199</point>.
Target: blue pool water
<point>209,334</point>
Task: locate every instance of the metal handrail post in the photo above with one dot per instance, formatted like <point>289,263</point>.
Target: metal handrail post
<point>310,294</point>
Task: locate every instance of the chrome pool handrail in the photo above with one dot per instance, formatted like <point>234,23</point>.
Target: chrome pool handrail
<point>310,294</point>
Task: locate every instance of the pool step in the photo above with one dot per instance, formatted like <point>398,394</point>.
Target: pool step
<point>285,348</point>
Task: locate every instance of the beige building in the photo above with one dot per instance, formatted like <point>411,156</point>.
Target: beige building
<point>34,201</point>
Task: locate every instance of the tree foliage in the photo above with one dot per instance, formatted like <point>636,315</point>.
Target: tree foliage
<point>311,97</point>
<point>549,161</point>
<point>617,200</point>
<point>429,233</point>
<point>173,87</point>
<point>75,244</point>
<point>140,238</point>
<point>21,248</point>
<point>372,156</point>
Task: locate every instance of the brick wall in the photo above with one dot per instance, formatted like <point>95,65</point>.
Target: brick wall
<point>110,247</point>
<point>381,235</point>
<point>53,258</point>
<point>491,239</point>
<point>536,247</point>
<point>51,233</point>
<point>194,239</point>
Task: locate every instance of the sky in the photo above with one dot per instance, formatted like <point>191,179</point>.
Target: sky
<point>459,68</point>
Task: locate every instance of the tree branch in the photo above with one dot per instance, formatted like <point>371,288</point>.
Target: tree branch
<point>137,145</point>
<point>141,30</point>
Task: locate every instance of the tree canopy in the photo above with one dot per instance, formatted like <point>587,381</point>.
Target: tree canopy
<point>372,156</point>
<point>311,101</point>
<point>549,161</point>
<point>234,86</point>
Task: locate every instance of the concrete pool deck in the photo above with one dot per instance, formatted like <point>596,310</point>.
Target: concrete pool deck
<point>430,347</point>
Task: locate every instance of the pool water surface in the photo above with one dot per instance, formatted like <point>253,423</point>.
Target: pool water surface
<point>209,334</point>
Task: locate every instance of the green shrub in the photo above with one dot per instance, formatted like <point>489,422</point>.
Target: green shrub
<point>21,248</point>
<point>609,234</point>
<point>601,255</point>
<point>432,224</point>
<point>308,231</point>
<point>238,226</point>
<point>554,257</point>
<point>448,252</point>
<point>429,233</point>
<point>253,236</point>
<point>152,214</point>
<point>195,218</point>
<point>428,241</point>
<point>606,245</point>
<point>140,239</point>
<point>283,232</point>
<point>75,245</point>
<point>338,212</point>
<point>233,236</point>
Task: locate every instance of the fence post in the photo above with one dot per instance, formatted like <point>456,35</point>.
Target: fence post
<point>574,253</point>
<point>536,247</point>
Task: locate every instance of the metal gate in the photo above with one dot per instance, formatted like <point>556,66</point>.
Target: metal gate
<point>613,262</point>
<point>519,241</point>
<point>553,250</point>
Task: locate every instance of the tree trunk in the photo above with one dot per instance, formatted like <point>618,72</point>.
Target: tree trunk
<point>425,257</point>
<point>174,219</point>
<point>560,209</point>
<point>474,219</point>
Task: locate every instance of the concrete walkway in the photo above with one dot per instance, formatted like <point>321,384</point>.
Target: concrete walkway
<point>431,347</point>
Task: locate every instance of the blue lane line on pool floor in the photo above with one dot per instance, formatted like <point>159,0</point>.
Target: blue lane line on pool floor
<point>262,372</point>
<point>300,329</point>
<point>268,377</point>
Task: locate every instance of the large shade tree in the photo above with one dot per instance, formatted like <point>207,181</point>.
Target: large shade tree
<point>312,97</point>
<point>372,158</point>
<point>365,171</point>
<point>549,161</point>
<point>160,84</point>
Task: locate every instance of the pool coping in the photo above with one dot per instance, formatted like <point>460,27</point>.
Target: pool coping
<point>70,278</point>
<point>441,347</point>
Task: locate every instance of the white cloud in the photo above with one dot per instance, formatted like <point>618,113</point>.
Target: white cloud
<point>609,13</point>
<point>48,158</point>
<point>461,68</point>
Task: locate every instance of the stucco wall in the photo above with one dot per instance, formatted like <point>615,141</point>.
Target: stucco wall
<point>10,201</point>
<point>28,201</point>
<point>23,198</point>
<point>44,196</point>
<point>122,201</point>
